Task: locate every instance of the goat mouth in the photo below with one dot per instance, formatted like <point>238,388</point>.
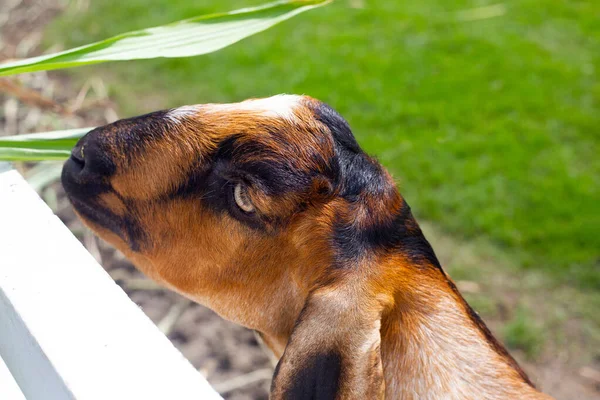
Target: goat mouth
<point>83,191</point>
<point>96,214</point>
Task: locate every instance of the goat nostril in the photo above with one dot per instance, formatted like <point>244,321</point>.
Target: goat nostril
<point>77,155</point>
<point>91,158</point>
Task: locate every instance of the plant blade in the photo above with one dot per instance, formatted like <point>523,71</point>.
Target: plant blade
<point>55,145</point>
<point>21,154</point>
<point>190,37</point>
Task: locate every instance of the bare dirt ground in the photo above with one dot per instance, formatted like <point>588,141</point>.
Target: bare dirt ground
<point>228,355</point>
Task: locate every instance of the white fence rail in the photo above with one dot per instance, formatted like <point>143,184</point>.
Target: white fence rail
<point>67,331</point>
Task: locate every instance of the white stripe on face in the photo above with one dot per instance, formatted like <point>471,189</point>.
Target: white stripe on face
<point>282,106</point>
<point>177,114</point>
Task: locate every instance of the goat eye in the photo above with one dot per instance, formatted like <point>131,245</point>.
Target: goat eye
<point>240,194</point>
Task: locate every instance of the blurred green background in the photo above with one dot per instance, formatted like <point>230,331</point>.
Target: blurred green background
<point>488,114</point>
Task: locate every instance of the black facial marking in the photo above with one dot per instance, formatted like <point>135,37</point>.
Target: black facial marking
<point>258,166</point>
<point>267,169</point>
<point>362,176</point>
<point>276,177</point>
<point>212,183</point>
<point>227,148</point>
<point>132,134</point>
<point>397,233</point>
<point>96,213</point>
<point>135,234</point>
<point>319,379</point>
<point>194,185</point>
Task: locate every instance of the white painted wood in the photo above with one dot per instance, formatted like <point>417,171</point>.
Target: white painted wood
<point>9,390</point>
<point>67,331</point>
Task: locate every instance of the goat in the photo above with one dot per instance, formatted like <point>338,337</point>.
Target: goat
<point>268,212</point>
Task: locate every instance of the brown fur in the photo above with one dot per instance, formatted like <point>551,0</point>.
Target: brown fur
<point>394,322</point>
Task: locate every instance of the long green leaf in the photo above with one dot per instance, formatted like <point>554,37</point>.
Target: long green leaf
<point>53,139</point>
<point>54,145</point>
<point>190,37</point>
<point>20,154</point>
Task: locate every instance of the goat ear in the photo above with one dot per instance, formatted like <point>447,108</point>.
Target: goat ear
<point>333,352</point>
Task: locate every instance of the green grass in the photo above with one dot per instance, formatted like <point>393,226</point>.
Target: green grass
<point>491,126</point>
